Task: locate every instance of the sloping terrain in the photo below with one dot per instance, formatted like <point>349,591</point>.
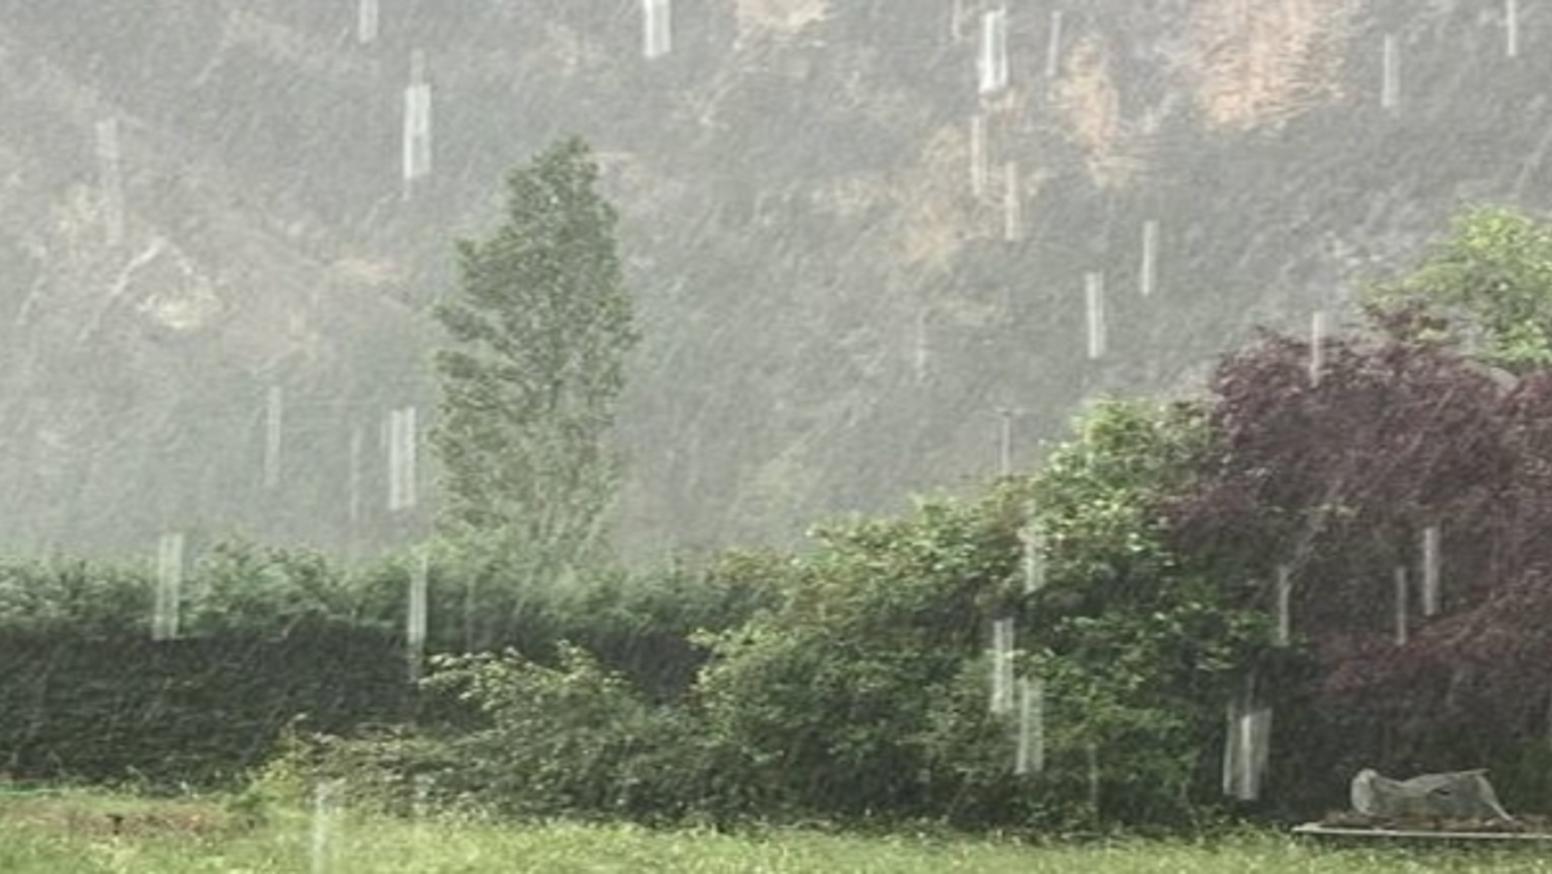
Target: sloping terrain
<point>834,310</point>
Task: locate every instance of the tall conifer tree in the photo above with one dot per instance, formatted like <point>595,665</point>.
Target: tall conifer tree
<point>539,329</point>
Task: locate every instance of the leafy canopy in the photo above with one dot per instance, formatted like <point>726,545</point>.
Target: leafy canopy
<point>539,330</point>
<point>1492,280</point>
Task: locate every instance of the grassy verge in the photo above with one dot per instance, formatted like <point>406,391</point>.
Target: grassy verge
<point>76,832</point>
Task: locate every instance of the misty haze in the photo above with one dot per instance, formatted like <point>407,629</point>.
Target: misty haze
<point>779,435</point>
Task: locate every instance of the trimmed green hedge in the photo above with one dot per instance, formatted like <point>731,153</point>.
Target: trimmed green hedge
<point>270,634</point>
<point>84,707</point>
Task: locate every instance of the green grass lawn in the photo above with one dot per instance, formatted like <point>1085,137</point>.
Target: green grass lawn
<point>69,832</point>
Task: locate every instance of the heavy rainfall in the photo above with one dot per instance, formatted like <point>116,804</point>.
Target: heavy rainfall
<point>775,435</point>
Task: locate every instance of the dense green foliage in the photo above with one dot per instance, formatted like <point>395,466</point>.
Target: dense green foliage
<point>269,635</point>
<point>851,681</point>
<point>539,331</point>
<point>198,711</point>
<point>860,689</point>
<point>1141,642</point>
<point>868,690</point>
<point>1492,281</point>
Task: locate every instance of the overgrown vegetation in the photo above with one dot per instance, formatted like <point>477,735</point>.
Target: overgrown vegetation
<point>98,833</point>
<point>849,682</point>
<point>539,330</point>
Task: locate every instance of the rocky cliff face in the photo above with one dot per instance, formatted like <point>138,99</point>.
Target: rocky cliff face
<point>847,258</point>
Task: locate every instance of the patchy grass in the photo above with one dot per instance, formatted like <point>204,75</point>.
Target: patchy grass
<point>75,832</point>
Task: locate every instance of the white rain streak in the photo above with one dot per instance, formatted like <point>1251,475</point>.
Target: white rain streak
<point>420,807</point>
<point>1094,305</point>
<point>402,446</point>
<point>420,811</point>
<point>470,595</point>
<point>1029,755</point>
<point>1148,274</point>
<point>368,22</point>
<point>1317,362</point>
<point>1012,203</point>
<point>1034,557</point>
<point>923,347</point>
<point>1005,442</point>
<point>1390,85</point>
<point>274,413</point>
<point>111,179</point>
<point>422,804</point>
<point>956,21</point>
<point>994,51</point>
<point>1284,605</point>
<point>353,476</point>
<point>657,25</point>
<point>417,123</point>
<point>1247,749</point>
<point>980,160</point>
<point>417,66</point>
<point>1401,606</point>
<point>1092,752</point>
<point>1431,561</point>
<point>326,799</point>
<point>1549,719</point>
<point>1053,49</point>
<point>169,586</point>
<point>1512,28</point>
<point>1002,666</point>
<point>415,616</point>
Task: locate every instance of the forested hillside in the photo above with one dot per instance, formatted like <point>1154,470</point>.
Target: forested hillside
<point>215,283</point>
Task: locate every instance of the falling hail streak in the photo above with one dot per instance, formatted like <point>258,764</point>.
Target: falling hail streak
<point>417,66</point>
<point>980,162</point>
<point>273,415</point>
<point>923,347</point>
<point>402,439</point>
<point>657,24</point>
<point>1005,443</point>
<point>1012,203</point>
<point>1284,605</point>
<point>1034,556</point>
<point>994,51</point>
<point>1317,362</point>
<point>367,22</point>
<point>325,812</point>
<point>1029,757</point>
<point>353,477</point>
<point>1053,51</point>
<point>1431,571</point>
<point>417,124</point>
<point>1094,302</point>
<point>1390,87</point>
<point>1246,751</point>
<point>470,596</point>
<point>1148,276</point>
<point>1401,606</point>
<point>421,806</point>
<point>111,179</point>
<point>1512,28</point>
<point>169,585</point>
<point>1095,777</point>
<point>415,616</point>
<point>1549,719</point>
<point>1002,666</point>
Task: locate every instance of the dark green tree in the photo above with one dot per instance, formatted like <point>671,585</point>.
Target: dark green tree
<point>539,329</point>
